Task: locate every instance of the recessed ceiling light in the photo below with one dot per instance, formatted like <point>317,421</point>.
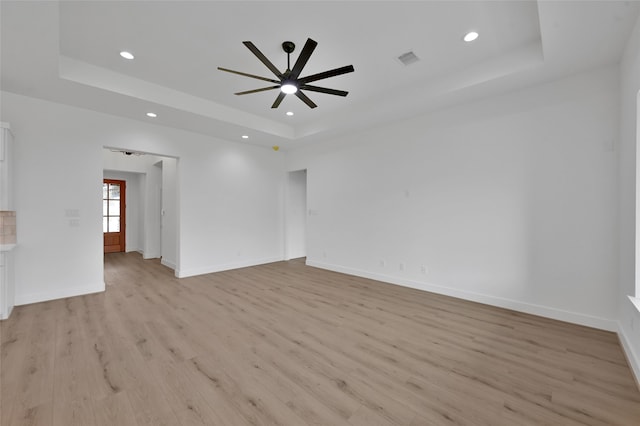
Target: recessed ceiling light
<point>126,55</point>
<point>470,36</point>
<point>289,113</point>
<point>245,137</point>
<point>152,114</point>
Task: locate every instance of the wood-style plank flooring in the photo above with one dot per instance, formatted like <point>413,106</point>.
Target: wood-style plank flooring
<point>287,344</point>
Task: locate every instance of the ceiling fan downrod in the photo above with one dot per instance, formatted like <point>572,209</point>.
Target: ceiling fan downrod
<point>288,47</point>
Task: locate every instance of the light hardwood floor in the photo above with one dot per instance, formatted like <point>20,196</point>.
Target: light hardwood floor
<point>286,344</point>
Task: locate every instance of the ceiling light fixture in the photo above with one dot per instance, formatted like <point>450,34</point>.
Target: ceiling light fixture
<point>127,152</point>
<point>152,114</point>
<point>288,87</point>
<point>470,36</point>
<point>245,137</point>
<point>126,55</point>
<point>289,113</point>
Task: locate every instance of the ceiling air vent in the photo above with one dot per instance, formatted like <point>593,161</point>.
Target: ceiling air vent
<point>408,58</point>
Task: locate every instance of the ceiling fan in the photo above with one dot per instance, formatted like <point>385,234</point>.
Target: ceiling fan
<point>290,82</point>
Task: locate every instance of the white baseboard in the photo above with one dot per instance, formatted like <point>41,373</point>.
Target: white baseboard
<point>168,264</point>
<point>183,273</point>
<point>630,353</point>
<point>7,314</point>
<point>516,305</point>
<point>26,299</point>
<point>150,255</point>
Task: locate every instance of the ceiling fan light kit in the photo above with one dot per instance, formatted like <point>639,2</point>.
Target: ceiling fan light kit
<point>288,87</point>
<point>290,82</point>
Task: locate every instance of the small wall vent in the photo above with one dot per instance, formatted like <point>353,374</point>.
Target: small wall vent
<point>408,58</point>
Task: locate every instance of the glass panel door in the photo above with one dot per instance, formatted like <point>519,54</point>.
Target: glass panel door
<point>113,215</point>
<point>111,207</point>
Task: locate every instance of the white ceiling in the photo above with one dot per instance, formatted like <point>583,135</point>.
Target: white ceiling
<point>68,52</point>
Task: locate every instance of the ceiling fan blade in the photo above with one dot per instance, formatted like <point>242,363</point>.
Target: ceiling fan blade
<point>305,99</point>
<point>257,90</point>
<point>326,74</point>
<point>249,75</point>
<point>278,100</point>
<point>325,90</point>
<point>262,58</point>
<point>307,50</point>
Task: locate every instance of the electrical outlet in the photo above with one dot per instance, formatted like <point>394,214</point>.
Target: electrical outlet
<point>382,263</point>
<point>324,254</point>
<point>401,266</point>
<point>424,269</point>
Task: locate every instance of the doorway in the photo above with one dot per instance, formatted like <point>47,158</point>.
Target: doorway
<point>113,215</point>
<point>296,215</point>
<point>151,201</point>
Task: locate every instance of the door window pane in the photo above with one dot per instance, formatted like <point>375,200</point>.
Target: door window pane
<point>105,212</point>
<point>114,191</point>
<point>104,225</point>
<point>114,208</point>
<point>105,190</point>
<point>114,224</point>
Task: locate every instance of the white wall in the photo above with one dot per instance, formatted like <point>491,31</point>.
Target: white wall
<point>58,191</point>
<point>236,208</point>
<point>134,208</point>
<point>230,196</point>
<point>629,317</point>
<point>169,215</point>
<point>296,215</point>
<point>509,201</point>
<point>152,215</point>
